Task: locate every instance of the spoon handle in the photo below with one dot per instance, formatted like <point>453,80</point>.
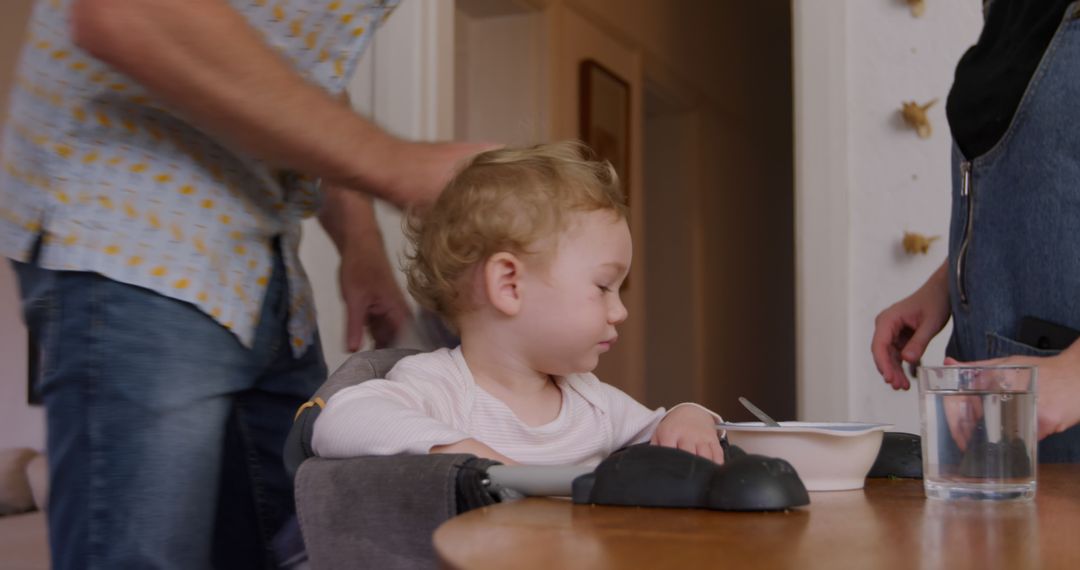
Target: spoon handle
<point>757,412</point>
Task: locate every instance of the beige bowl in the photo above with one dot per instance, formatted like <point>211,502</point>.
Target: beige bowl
<point>832,456</point>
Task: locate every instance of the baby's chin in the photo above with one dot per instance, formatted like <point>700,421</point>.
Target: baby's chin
<point>585,368</point>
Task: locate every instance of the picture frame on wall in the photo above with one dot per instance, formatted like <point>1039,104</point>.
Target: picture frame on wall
<point>605,117</point>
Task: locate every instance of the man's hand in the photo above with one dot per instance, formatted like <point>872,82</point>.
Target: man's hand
<point>692,429</point>
<point>418,172</point>
<point>204,61</point>
<point>372,297</point>
<point>366,276</point>
<point>1058,386</point>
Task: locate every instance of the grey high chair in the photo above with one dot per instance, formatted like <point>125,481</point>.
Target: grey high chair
<point>375,512</point>
<point>381,512</point>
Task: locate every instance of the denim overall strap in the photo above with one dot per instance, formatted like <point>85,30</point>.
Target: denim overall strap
<point>1014,240</point>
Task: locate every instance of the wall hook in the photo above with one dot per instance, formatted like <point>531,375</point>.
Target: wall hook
<point>915,115</point>
<point>918,7</point>
<point>917,243</point>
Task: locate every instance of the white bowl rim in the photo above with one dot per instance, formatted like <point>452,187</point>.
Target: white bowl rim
<point>843,429</point>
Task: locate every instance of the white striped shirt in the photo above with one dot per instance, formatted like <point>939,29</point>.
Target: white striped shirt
<point>432,399</point>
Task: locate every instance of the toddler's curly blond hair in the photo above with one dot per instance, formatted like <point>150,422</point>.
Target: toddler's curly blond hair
<point>504,200</point>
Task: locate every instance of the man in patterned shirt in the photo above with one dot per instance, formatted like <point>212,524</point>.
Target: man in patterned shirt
<point>158,157</point>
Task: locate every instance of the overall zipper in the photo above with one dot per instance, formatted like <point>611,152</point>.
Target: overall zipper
<point>967,190</point>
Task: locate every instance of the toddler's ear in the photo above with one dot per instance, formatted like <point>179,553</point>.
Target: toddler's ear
<point>502,280</point>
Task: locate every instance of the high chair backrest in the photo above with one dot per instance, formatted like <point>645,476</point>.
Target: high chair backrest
<point>375,511</point>
<point>360,367</point>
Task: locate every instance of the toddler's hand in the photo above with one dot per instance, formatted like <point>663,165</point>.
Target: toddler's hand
<point>692,429</point>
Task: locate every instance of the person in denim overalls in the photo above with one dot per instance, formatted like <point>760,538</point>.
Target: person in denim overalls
<point>1013,243</point>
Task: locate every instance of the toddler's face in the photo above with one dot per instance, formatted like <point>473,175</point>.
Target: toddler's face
<point>570,310</point>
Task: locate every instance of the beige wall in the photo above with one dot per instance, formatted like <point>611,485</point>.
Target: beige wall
<point>724,67</point>
<point>577,37</point>
<point>731,62</point>
<point>673,307</point>
<point>20,425</point>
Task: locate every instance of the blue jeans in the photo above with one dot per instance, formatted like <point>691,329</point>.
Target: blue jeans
<point>164,433</point>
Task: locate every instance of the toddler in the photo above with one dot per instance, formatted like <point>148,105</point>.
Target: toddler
<point>524,254</point>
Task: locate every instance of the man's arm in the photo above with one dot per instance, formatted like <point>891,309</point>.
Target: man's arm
<point>205,61</point>
<point>366,276</point>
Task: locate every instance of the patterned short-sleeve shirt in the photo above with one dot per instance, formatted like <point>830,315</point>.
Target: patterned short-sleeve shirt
<point>110,181</point>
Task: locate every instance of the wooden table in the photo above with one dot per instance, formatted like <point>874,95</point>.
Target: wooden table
<point>889,524</point>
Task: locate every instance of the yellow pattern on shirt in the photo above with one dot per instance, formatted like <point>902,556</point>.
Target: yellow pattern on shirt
<point>113,182</point>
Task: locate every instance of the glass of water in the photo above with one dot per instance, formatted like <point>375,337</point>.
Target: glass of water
<point>979,432</point>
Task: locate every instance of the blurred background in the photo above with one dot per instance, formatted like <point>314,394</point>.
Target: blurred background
<point>769,175</point>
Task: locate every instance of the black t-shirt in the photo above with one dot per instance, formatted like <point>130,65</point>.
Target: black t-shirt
<point>994,73</point>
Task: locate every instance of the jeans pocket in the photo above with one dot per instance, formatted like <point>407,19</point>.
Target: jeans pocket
<point>998,346</point>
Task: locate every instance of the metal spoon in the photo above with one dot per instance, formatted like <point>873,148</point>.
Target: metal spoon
<point>757,412</point>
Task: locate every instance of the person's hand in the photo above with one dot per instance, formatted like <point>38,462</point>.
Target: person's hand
<point>902,331</point>
<point>372,297</point>
<point>366,277</point>
<point>961,415</point>
<point>418,172</point>
<point>692,429</point>
<point>1058,386</point>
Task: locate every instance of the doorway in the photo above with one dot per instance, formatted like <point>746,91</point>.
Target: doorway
<point>673,247</point>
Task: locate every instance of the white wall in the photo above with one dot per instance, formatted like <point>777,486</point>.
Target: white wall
<point>404,83</point>
<point>501,76</point>
<point>862,179</point>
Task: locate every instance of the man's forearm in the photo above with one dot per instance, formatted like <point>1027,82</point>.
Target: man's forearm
<point>203,60</point>
<point>348,218</point>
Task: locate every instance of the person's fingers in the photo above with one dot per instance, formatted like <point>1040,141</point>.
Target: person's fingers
<point>356,308</point>
<point>384,330</point>
<point>886,358</point>
<point>970,411</point>
<point>433,165</point>
<point>900,380</point>
<point>988,362</point>
<point>1046,427</point>
<point>707,450</point>
<point>915,347</point>
<point>385,325</point>
<point>896,377</point>
<point>963,430</point>
<point>954,418</point>
<point>665,439</point>
<point>687,446</point>
<point>717,452</point>
<point>880,342</point>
